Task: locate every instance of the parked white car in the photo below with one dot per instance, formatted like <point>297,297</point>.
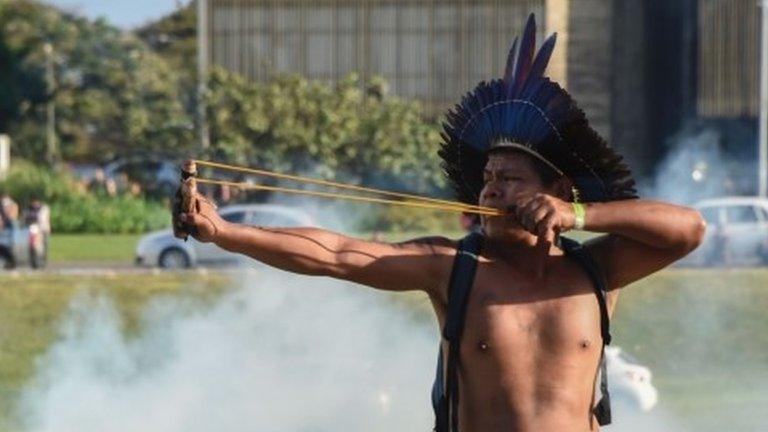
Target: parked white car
<point>737,232</point>
<point>162,249</point>
<point>629,382</point>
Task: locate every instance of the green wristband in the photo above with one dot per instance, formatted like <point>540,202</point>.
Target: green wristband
<point>580,215</point>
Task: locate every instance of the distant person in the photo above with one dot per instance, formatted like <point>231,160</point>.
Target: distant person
<point>529,350</point>
<point>110,187</point>
<point>134,190</point>
<point>123,181</point>
<point>98,183</point>
<point>39,213</point>
<point>9,211</point>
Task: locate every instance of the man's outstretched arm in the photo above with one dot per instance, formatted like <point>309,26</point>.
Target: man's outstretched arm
<point>417,264</point>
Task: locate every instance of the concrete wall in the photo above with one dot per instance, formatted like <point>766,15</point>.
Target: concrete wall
<point>606,74</point>
<point>589,60</point>
<point>629,108</point>
<point>557,13</point>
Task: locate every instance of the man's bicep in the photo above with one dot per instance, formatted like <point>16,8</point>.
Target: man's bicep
<point>624,260</point>
<point>419,264</point>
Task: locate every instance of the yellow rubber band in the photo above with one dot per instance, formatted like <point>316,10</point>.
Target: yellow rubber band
<point>399,195</point>
<point>488,211</point>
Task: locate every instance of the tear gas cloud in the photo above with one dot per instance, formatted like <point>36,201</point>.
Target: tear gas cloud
<point>690,171</point>
<point>284,353</point>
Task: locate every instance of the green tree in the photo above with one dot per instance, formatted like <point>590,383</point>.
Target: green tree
<point>343,131</point>
<point>112,95</point>
<point>174,39</point>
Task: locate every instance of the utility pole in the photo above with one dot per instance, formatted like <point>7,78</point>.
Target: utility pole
<point>202,72</point>
<point>763,134</point>
<point>52,153</point>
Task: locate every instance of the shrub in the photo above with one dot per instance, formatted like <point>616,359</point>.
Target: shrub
<point>73,210</point>
<point>405,219</point>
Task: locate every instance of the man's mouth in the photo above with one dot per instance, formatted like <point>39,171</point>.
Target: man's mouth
<point>493,204</point>
<point>504,209</point>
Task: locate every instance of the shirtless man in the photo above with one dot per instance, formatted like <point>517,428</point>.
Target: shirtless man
<point>532,342</point>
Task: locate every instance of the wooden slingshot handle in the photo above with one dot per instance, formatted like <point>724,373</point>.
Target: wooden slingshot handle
<point>188,186</point>
<point>187,192</point>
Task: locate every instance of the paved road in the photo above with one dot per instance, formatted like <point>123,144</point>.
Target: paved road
<point>95,269</point>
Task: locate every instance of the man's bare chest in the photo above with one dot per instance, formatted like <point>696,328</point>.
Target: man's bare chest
<point>509,313</point>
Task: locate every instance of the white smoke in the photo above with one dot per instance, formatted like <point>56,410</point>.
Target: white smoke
<point>693,169</point>
<point>284,353</point>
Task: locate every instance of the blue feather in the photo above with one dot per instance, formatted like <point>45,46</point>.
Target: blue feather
<point>525,56</point>
<point>509,71</point>
<point>543,56</point>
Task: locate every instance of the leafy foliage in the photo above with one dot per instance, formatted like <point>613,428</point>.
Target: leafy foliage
<point>73,210</point>
<point>112,94</point>
<point>342,131</point>
<point>174,39</point>
<point>117,93</point>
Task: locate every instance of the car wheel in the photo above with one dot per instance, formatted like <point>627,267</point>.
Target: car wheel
<point>174,258</point>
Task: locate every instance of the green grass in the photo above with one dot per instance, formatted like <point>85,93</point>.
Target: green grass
<point>704,334</point>
<point>711,320</point>
<point>93,247</point>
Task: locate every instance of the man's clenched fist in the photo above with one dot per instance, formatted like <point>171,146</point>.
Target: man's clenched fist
<point>543,215</point>
<point>200,220</point>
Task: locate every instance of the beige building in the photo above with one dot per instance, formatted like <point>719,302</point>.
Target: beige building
<point>637,67</point>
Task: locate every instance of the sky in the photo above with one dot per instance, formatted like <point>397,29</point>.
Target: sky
<point>126,14</point>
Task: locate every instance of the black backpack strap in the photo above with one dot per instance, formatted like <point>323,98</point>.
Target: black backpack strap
<point>462,277</point>
<point>445,390</point>
<point>573,248</point>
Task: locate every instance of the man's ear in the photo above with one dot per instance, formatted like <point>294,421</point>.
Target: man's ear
<point>563,188</point>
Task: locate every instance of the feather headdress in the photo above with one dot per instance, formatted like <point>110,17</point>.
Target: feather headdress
<point>528,112</point>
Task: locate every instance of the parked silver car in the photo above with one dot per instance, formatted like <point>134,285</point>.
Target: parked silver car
<point>22,245</point>
<point>737,232</point>
<point>162,249</point>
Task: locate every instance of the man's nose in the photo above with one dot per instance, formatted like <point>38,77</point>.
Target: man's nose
<point>491,191</point>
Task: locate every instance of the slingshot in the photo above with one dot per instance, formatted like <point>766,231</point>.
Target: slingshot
<point>189,177</point>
